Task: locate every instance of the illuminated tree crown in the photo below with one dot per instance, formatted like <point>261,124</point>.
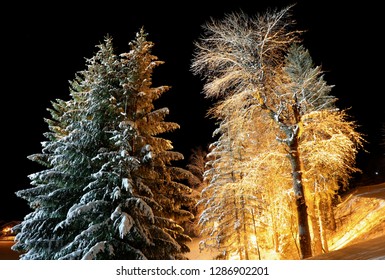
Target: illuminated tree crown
<point>278,128</point>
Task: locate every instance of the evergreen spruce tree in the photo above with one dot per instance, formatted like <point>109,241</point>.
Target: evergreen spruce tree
<point>229,205</point>
<point>110,190</point>
<point>196,165</point>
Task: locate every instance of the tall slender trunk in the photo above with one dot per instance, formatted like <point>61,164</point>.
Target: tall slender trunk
<point>274,228</point>
<point>330,218</point>
<point>245,231</point>
<point>303,225</point>
<point>255,233</point>
<point>315,225</point>
<point>325,245</point>
<point>238,232</point>
<point>327,220</point>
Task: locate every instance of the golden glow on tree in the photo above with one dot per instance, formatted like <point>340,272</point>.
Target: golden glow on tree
<point>283,148</point>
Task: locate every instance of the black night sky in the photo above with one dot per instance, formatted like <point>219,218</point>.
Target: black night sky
<point>45,45</point>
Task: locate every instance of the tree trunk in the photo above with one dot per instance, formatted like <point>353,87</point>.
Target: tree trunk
<point>326,223</point>
<point>330,211</point>
<point>325,245</point>
<point>245,232</point>
<point>303,225</point>
<point>255,233</point>
<point>238,233</point>
<point>276,241</point>
<point>275,236</point>
<point>317,240</point>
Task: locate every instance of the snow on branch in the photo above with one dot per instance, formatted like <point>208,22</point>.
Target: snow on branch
<point>96,249</point>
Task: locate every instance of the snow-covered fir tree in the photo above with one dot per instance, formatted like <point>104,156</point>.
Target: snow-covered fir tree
<point>109,190</point>
<point>229,206</point>
<point>196,165</point>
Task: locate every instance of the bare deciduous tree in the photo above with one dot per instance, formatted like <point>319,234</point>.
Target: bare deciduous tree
<point>257,69</point>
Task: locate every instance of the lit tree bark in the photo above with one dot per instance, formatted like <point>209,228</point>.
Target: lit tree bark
<point>238,231</point>
<point>315,225</point>
<point>323,226</point>
<point>328,214</point>
<point>245,231</point>
<point>256,234</point>
<point>303,225</point>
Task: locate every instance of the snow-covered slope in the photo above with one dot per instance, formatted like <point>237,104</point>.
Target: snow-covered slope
<point>372,249</point>
<point>361,225</point>
<point>360,233</point>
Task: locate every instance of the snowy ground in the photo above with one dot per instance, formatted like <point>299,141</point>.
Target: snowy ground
<point>362,226</point>
<point>361,229</point>
<point>372,249</point>
<point>361,216</point>
<point>196,254</point>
